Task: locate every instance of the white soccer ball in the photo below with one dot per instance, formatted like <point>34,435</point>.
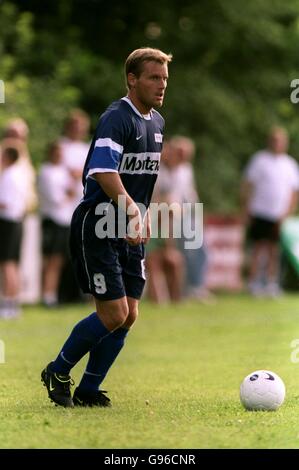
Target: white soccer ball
<point>262,390</point>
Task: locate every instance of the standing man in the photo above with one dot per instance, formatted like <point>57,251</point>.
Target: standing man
<point>270,193</point>
<point>12,210</point>
<point>120,170</point>
<point>56,193</point>
<point>74,148</point>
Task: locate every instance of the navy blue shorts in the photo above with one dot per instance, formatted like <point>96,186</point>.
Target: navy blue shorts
<point>107,268</point>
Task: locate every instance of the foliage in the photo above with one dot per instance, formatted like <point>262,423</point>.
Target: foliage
<point>229,80</point>
<point>41,100</point>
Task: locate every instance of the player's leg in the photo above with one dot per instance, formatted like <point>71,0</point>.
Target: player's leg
<point>133,305</point>
<point>112,313</point>
<point>86,335</point>
<point>99,273</point>
<point>102,356</point>
<point>105,352</point>
<point>89,331</point>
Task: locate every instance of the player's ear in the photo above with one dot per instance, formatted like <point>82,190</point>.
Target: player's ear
<point>131,80</point>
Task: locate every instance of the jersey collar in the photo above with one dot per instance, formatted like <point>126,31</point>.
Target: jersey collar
<point>148,116</point>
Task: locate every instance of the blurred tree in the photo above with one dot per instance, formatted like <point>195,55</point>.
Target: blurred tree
<point>42,100</point>
<point>229,80</point>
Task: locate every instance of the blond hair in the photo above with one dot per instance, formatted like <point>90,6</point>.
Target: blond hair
<point>135,61</point>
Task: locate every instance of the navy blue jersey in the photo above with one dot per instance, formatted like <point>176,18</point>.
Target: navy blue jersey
<point>128,143</point>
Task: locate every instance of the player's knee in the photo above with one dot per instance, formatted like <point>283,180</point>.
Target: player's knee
<point>121,314</point>
<point>113,316</point>
<point>132,317</point>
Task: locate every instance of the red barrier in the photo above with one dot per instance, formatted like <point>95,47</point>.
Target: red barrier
<point>224,236</point>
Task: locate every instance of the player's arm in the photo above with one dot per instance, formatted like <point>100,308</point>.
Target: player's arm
<point>113,187</point>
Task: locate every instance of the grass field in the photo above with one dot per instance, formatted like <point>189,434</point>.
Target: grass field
<point>175,385</point>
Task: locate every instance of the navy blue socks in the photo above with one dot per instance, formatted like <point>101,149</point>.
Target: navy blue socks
<point>85,335</point>
<point>101,358</point>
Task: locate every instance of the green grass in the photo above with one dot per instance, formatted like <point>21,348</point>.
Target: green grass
<point>175,385</point>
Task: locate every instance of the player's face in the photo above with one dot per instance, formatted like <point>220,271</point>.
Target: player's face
<point>147,90</point>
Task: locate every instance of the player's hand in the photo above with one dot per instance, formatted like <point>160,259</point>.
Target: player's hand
<point>134,232</point>
<point>147,228</point>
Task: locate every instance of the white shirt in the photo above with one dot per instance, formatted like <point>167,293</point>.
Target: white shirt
<point>53,183</point>
<point>274,178</point>
<point>12,193</point>
<point>74,153</point>
<point>185,188</point>
<point>178,183</point>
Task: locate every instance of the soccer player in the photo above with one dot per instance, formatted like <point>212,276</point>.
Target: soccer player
<point>120,172</point>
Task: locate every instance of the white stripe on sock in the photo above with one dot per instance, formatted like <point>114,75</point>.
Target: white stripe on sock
<point>63,357</point>
<point>90,373</point>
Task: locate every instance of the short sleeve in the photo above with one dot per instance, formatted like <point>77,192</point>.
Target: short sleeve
<point>109,144</point>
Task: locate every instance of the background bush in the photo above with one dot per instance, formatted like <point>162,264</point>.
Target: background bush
<point>229,80</point>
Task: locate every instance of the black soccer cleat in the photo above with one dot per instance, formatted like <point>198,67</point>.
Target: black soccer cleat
<point>58,386</point>
<point>82,398</point>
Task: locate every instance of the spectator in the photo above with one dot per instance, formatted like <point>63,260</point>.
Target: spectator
<point>182,149</point>
<point>16,136</point>
<point>164,262</point>
<point>269,194</point>
<point>12,210</point>
<point>75,148</point>
<point>56,206</point>
<point>165,265</point>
